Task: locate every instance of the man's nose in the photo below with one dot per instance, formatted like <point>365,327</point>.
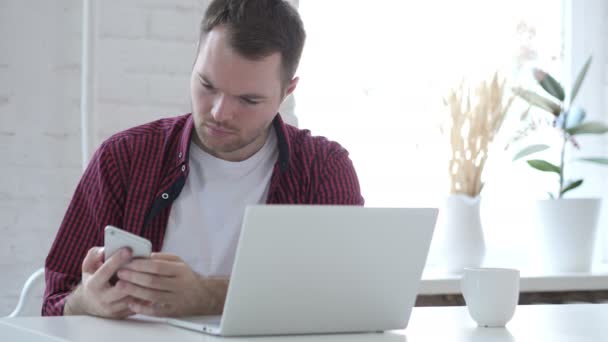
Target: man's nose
<point>221,110</point>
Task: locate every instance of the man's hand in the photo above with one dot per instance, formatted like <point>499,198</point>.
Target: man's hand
<point>165,285</point>
<point>95,296</point>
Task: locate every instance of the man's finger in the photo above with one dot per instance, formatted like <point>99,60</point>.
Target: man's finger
<point>114,293</point>
<point>92,260</point>
<point>119,306</point>
<point>148,280</point>
<point>158,267</point>
<point>139,292</point>
<point>165,256</point>
<point>108,269</point>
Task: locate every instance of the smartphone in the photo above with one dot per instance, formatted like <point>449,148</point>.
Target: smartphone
<point>116,238</point>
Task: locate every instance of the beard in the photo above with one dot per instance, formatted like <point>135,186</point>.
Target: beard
<point>234,140</point>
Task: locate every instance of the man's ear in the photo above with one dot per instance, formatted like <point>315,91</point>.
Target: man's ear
<point>292,86</point>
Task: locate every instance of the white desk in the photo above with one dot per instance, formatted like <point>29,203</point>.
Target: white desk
<point>574,322</point>
<point>534,279</point>
<point>433,283</point>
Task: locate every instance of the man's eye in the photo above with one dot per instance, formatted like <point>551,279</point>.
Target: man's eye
<point>207,86</point>
<point>249,101</point>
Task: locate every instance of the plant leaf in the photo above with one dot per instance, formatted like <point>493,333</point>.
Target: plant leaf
<point>550,85</point>
<point>538,101</point>
<point>588,128</point>
<point>575,117</point>
<point>570,186</point>
<point>551,195</point>
<point>579,79</point>
<point>543,166</point>
<point>529,150</point>
<point>603,161</point>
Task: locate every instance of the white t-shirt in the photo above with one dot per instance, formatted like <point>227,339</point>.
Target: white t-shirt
<point>205,219</point>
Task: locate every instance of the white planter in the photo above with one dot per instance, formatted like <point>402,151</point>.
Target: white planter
<point>568,228</point>
<point>460,236</point>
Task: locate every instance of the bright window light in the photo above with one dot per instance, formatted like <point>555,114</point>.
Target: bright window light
<point>373,76</point>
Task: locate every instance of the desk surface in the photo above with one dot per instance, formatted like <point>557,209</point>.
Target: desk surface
<point>437,282</point>
<point>573,322</point>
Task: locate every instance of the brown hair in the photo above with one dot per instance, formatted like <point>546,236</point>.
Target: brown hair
<point>259,28</point>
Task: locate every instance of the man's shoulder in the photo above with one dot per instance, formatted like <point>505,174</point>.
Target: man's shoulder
<point>169,128</point>
<point>304,144</point>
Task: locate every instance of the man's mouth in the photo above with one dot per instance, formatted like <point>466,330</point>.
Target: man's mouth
<point>218,131</point>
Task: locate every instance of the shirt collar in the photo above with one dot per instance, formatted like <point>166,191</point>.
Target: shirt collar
<point>279,127</point>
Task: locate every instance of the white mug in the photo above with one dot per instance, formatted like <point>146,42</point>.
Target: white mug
<point>491,294</point>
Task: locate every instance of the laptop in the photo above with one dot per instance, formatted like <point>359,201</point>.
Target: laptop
<point>322,269</point>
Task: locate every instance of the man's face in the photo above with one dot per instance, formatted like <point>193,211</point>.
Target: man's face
<point>234,99</point>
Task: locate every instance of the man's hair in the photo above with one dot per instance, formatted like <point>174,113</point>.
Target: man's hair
<point>259,28</point>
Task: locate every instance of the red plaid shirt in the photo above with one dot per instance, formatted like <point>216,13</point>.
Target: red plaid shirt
<point>134,176</point>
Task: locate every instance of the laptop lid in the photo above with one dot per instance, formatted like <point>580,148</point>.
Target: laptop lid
<point>326,269</point>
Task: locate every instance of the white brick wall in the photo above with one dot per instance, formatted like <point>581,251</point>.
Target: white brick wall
<point>144,54</point>
<point>39,131</point>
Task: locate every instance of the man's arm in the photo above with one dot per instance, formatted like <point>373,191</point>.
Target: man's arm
<point>337,182</point>
<point>98,200</point>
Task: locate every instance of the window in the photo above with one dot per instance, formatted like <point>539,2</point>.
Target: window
<point>373,76</point>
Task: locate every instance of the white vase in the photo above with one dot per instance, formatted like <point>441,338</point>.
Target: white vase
<point>568,228</point>
<point>461,243</point>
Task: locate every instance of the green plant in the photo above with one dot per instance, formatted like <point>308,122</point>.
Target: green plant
<point>568,120</point>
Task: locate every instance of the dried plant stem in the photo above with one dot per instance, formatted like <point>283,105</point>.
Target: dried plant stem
<point>472,128</point>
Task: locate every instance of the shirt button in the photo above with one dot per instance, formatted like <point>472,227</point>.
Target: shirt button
<point>183,168</point>
<point>180,155</point>
<point>165,195</point>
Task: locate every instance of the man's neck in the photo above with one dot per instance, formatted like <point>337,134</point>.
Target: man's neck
<point>241,154</point>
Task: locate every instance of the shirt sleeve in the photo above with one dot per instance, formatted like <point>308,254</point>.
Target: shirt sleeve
<point>338,183</point>
<point>98,200</point>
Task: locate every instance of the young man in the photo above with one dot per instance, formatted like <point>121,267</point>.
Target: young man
<point>184,182</point>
